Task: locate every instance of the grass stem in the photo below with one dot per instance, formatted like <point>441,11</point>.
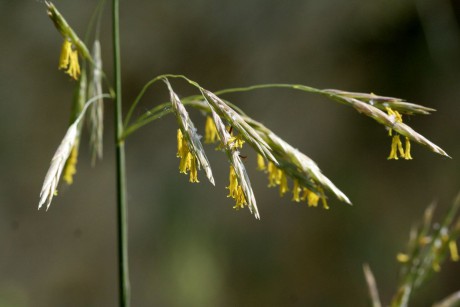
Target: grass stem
<point>122,218</point>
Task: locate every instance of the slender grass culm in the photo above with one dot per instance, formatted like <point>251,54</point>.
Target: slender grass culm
<point>227,126</point>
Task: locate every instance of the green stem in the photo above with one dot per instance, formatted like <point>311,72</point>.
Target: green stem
<point>149,84</point>
<point>221,92</point>
<point>154,114</point>
<point>122,218</point>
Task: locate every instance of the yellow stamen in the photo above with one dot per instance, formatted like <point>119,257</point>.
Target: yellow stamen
<point>261,163</point>
<point>283,183</point>
<point>180,143</point>
<point>193,170</point>
<point>305,192</point>
<point>235,191</point>
<point>185,163</point>
<point>402,258</point>
<point>397,116</point>
<point>424,240</point>
<point>453,251</point>
<point>323,197</point>
<point>74,66</point>
<point>70,166</point>
<point>407,155</point>
<point>273,175</point>
<point>390,113</point>
<point>324,201</point>
<point>393,153</point>
<point>210,131</point>
<point>187,159</point>
<point>400,148</point>
<point>233,185</point>
<point>240,199</point>
<point>68,60</point>
<point>64,59</point>
<point>296,191</point>
<point>311,197</point>
<point>396,145</point>
<point>236,141</point>
<point>182,152</point>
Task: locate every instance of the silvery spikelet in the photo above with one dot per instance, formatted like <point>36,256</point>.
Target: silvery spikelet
<point>57,165</point>
<point>235,160</point>
<point>237,122</point>
<point>382,102</point>
<point>305,164</point>
<point>60,157</point>
<point>390,122</point>
<point>190,133</point>
<point>97,109</point>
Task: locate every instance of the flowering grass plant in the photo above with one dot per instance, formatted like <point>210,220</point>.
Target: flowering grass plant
<point>226,126</point>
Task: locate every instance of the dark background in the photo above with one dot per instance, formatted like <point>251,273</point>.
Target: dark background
<point>188,247</point>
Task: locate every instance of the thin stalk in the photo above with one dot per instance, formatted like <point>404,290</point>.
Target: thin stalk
<point>221,92</point>
<point>149,84</point>
<point>122,218</point>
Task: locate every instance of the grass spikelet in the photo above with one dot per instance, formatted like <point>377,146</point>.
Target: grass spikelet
<point>383,102</point>
<point>389,121</point>
<point>238,123</point>
<point>190,133</point>
<point>300,166</point>
<point>70,168</point>
<point>57,165</point>
<point>237,166</point>
<point>49,188</point>
<point>66,31</point>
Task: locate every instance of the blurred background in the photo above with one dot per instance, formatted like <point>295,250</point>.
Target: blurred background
<point>188,247</point>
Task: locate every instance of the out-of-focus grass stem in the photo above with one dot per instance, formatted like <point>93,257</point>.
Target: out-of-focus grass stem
<point>122,218</point>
